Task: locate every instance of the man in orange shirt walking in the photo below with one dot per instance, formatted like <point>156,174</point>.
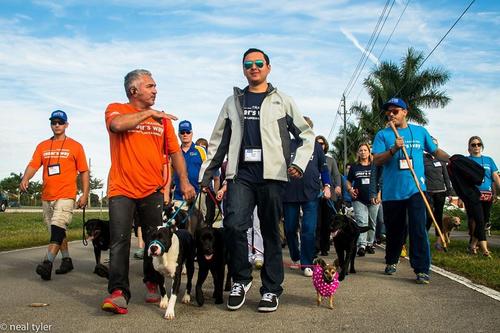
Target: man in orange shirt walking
<point>62,159</point>
<point>137,135</point>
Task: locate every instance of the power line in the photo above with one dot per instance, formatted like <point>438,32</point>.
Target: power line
<point>386,42</point>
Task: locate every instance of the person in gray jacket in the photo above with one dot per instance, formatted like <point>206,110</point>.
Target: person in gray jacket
<point>253,129</point>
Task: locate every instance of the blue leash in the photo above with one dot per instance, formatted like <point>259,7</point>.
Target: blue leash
<point>169,223</point>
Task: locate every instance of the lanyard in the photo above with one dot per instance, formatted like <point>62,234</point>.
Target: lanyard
<point>50,151</point>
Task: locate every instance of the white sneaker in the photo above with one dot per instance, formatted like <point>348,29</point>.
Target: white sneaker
<point>295,265</point>
<point>308,272</point>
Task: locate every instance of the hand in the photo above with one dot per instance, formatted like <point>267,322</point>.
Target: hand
<point>326,192</point>
<point>23,186</point>
<point>338,190</point>
<point>159,115</point>
<point>82,201</point>
<point>220,195</point>
<point>188,191</point>
<point>399,143</point>
<point>166,197</point>
<point>353,193</point>
<point>294,172</point>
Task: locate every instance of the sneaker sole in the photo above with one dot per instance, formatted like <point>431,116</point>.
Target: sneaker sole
<point>110,307</point>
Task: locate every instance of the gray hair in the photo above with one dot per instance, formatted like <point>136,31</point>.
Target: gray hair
<point>132,77</point>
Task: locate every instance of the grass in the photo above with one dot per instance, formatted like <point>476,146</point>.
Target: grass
<point>22,230</point>
<point>478,269</point>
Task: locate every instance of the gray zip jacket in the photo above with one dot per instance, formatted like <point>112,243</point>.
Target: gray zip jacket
<point>279,117</point>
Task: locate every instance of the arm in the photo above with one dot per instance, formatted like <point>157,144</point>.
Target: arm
<point>179,165</point>
<point>125,122</point>
<point>384,157</point>
<point>167,178</point>
<point>335,177</point>
<point>83,200</point>
<point>441,155</point>
<point>28,174</point>
<point>350,189</point>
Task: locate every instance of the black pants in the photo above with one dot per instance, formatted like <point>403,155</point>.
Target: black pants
<point>325,214</point>
<point>436,201</point>
<point>210,204</point>
<point>478,214</point>
<point>121,216</point>
<point>242,196</point>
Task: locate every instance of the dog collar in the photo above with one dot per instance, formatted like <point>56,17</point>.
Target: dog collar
<point>157,242</point>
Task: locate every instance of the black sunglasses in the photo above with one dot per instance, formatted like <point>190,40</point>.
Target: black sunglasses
<point>393,111</point>
<point>249,64</point>
<point>185,132</point>
<point>479,144</point>
<point>57,122</point>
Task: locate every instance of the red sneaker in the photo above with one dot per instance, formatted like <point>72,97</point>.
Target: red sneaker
<point>116,303</point>
<point>152,295</point>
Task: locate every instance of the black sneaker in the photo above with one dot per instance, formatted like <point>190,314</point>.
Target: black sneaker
<point>370,249</point>
<point>237,296</point>
<point>44,269</point>
<point>66,266</point>
<point>268,303</point>
<point>361,252</point>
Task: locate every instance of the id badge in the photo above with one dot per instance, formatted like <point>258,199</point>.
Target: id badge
<point>403,165</point>
<point>365,181</point>
<point>253,155</point>
<point>54,169</point>
<point>437,164</point>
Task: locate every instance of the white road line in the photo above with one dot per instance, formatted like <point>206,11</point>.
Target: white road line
<point>462,280</point>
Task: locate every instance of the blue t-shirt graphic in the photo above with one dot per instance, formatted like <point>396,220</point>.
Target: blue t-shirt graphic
<point>489,168</point>
<point>399,184</point>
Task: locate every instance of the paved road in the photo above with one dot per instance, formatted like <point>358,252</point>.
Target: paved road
<point>366,302</point>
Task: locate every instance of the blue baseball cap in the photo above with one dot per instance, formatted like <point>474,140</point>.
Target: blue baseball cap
<point>59,114</point>
<point>185,125</point>
<point>396,102</point>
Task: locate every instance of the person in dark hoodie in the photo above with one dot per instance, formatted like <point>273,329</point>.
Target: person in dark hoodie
<point>438,188</point>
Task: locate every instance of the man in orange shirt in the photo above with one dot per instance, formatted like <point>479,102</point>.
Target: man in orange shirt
<point>140,137</point>
<point>62,159</point>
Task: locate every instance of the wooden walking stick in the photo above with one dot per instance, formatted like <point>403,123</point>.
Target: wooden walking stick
<point>429,209</point>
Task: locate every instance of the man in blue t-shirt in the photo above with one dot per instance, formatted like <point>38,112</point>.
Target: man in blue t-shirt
<point>194,156</point>
<point>400,194</point>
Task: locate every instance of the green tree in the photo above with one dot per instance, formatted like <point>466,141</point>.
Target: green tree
<point>419,88</point>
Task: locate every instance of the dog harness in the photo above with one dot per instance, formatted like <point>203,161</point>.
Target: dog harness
<point>325,289</point>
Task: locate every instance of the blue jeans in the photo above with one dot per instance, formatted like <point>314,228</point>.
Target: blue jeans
<point>365,215</point>
<point>241,199</point>
<point>395,213</point>
<point>307,230</point>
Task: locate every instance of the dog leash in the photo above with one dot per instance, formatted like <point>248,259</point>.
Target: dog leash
<point>169,223</point>
<point>84,240</point>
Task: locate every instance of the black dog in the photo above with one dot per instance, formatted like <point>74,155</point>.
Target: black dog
<point>211,257</point>
<point>171,249</point>
<point>98,232</point>
<point>183,219</point>
<point>345,232</point>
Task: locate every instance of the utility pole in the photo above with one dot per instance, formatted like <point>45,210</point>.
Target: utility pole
<point>343,112</point>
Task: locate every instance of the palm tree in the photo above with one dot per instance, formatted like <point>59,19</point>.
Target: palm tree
<point>354,138</point>
<point>418,88</point>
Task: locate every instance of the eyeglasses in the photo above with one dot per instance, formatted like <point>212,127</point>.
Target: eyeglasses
<point>57,122</point>
<point>249,64</point>
<point>479,144</point>
<point>393,111</point>
<point>185,132</point>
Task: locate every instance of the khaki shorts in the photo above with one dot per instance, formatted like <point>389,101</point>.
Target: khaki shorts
<point>58,212</point>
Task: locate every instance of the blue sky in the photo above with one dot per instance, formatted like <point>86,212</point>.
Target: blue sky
<point>73,55</point>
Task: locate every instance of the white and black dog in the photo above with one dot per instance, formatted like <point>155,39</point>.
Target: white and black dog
<point>171,249</point>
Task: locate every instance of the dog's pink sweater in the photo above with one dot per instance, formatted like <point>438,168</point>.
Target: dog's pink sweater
<point>325,289</point>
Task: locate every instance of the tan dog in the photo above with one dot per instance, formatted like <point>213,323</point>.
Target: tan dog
<point>450,223</point>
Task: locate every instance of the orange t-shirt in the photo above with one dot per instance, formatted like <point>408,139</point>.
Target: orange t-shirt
<point>71,158</point>
<point>137,155</point>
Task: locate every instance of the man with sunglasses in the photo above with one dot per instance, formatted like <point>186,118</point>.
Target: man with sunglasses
<point>401,200</point>
<point>63,159</point>
<point>253,130</point>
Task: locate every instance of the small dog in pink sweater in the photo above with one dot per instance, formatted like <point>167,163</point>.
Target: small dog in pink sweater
<point>325,280</point>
